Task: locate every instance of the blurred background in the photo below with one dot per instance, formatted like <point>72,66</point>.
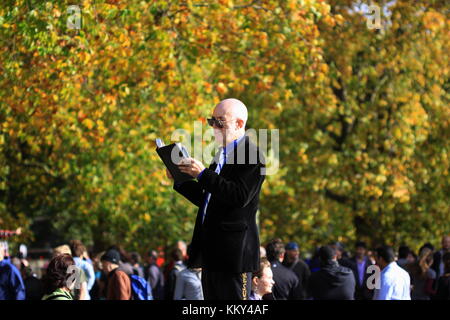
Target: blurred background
<point>359,91</point>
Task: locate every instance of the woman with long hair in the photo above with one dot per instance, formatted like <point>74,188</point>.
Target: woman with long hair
<point>422,276</point>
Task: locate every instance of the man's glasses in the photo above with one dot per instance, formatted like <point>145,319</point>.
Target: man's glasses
<point>217,122</point>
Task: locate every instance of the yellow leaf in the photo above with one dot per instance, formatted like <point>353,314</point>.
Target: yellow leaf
<point>88,123</point>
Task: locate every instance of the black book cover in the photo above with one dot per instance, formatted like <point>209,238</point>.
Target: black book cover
<point>175,152</point>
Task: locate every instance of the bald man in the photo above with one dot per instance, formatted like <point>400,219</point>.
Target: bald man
<point>225,243</point>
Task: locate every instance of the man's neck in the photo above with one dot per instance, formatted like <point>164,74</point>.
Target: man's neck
<point>235,137</point>
<point>384,266</point>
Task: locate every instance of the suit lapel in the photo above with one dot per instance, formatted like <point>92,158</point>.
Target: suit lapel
<point>233,153</point>
<point>213,164</point>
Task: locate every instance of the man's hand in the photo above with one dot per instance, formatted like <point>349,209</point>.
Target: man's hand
<point>191,166</point>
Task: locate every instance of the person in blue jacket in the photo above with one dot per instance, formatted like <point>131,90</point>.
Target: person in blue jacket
<point>11,284</point>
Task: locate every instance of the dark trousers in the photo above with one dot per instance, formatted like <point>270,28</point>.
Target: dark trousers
<point>226,285</point>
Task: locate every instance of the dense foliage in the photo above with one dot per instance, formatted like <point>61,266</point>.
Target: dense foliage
<point>363,116</point>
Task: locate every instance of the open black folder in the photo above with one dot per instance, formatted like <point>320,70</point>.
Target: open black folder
<point>169,154</point>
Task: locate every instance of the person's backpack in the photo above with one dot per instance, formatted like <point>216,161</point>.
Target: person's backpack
<point>140,289</point>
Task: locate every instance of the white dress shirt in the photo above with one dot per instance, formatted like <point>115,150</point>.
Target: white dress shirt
<point>395,284</point>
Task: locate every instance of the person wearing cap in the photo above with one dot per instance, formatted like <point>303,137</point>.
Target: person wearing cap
<point>118,286</point>
<point>332,281</point>
<point>298,266</point>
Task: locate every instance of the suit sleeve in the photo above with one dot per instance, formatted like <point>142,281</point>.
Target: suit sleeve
<point>237,191</point>
<point>191,190</point>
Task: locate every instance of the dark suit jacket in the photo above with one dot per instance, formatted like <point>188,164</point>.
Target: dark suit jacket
<point>437,258</point>
<point>286,282</point>
<point>228,239</point>
<point>301,270</point>
<point>362,292</point>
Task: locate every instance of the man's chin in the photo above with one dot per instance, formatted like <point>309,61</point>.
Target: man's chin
<point>219,141</point>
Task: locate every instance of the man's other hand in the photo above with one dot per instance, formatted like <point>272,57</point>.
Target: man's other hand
<point>191,166</point>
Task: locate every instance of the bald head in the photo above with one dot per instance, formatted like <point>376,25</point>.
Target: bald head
<point>233,113</point>
<point>234,108</point>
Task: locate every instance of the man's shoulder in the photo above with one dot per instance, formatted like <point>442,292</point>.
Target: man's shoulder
<point>121,275</point>
<point>5,264</point>
<point>302,264</point>
<point>154,267</point>
<point>186,274</point>
<point>85,265</point>
<point>298,266</point>
<point>251,152</point>
<point>7,267</point>
<point>347,262</point>
<point>345,271</point>
<point>393,273</point>
<point>178,267</point>
<point>283,271</point>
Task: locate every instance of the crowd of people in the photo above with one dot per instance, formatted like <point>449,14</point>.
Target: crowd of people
<point>332,273</point>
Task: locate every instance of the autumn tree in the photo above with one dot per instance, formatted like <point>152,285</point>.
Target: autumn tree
<point>362,113</point>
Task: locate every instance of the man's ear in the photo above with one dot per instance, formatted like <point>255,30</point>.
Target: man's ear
<point>255,281</point>
<point>240,123</point>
